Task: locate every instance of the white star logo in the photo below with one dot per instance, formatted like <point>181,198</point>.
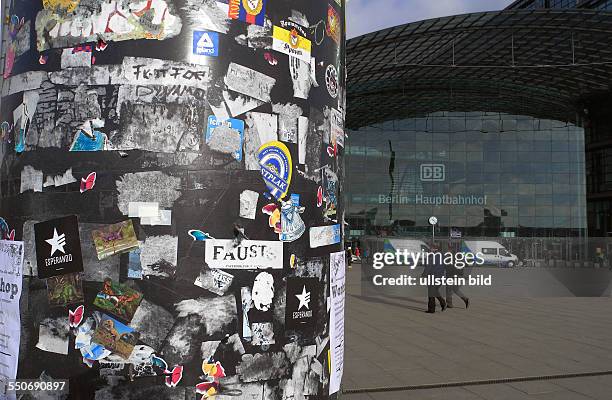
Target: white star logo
<point>57,242</point>
<point>304,299</point>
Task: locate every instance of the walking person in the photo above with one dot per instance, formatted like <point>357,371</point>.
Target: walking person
<point>434,268</point>
<point>454,272</point>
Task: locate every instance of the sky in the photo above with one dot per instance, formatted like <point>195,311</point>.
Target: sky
<point>365,16</point>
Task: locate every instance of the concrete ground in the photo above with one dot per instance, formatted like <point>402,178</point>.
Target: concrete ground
<point>391,342</point>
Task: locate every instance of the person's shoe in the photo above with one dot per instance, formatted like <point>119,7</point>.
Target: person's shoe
<point>443,305</point>
<point>467,302</point>
<point>430,312</point>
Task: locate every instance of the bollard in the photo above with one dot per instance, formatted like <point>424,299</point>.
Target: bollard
<point>172,175</point>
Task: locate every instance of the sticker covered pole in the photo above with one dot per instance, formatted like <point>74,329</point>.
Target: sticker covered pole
<point>171,197</point>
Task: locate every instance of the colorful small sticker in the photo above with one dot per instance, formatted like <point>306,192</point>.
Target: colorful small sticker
<point>205,43</point>
<point>291,40</point>
<point>76,317</point>
<point>292,225</point>
<point>89,182</point>
<point>84,142</point>
<point>332,28</point>
<point>249,11</point>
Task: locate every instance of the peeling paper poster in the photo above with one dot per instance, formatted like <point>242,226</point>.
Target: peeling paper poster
<point>11,265</point>
<point>249,82</point>
<point>336,322</point>
<point>249,254</point>
<point>111,20</point>
<point>152,71</point>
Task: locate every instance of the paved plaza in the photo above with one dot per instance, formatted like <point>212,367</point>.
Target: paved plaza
<point>392,343</point>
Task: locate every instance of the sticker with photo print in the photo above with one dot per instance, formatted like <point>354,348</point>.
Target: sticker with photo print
<point>65,289</point>
<point>302,304</point>
<point>58,247</point>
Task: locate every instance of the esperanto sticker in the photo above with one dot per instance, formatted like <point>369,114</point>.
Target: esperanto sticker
<point>276,167</point>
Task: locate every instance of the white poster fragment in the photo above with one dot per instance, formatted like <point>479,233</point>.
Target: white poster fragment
<point>11,264</point>
<point>336,321</point>
<point>163,218</point>
<point>249,254</point>
<point>249,82</point>
<point>142,209</point>
<point>302,136</point>
<point>262,128</point>
<point>337,127</point>
<point>248,204</point>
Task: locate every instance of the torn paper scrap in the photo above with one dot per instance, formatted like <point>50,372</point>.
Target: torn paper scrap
<point>248,204</point>
<point>140,209</point>
<point>31,179</point>
<point>74,57</point>
<point>151,185</point>
<point>158,256</point>
<point>53,335</point>
<point>163,218</point>
<point>215,280</point>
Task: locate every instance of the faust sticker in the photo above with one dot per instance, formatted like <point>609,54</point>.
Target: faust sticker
<point>249,254</point>
<point>276,167</point>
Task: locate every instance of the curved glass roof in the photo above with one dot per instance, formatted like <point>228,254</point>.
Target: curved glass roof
<point>541,63</point>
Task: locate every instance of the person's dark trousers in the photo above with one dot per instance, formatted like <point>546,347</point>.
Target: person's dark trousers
<point>434,293</point>
<point>450,289</point>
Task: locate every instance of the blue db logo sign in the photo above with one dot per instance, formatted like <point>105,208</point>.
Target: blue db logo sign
<point>433,172</point>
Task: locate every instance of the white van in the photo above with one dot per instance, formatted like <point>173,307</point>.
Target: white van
<point>411,245</point>
<point>493,252</point>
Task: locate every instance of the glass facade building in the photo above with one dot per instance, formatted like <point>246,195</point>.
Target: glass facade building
<point>496,123</point>
<point>479,173</point>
